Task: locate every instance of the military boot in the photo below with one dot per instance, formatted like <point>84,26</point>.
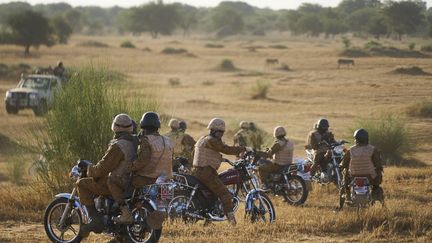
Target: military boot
<point>96,222</point>
<point>231,218</point>
<point>125,217</point>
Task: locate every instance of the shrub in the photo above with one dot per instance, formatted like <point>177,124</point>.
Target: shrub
<point>410,70</point>
<point>284,67</point>
<point>411,46</point>
<point>260,90</point>
<point>93,43</point>
<point>227,65</point>
<point>214,45</point>
<point>147,49</point>
<point>354,52</point>
<point>346,42</point>
<point>389,134</point>
<point>372,44</point>
<point>174,81</point>
<point>79,124</point>
<point>170,51</point>
<point>420,109</point>
<point>278,46</point>
<point>208,83</point>
<point>16,168</point>
<point>127,44</point>
<point>427,48</point>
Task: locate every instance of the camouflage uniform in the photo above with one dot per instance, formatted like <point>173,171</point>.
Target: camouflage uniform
<point>154,159</point>
<point>99,174</point>
<point>315,141</point>
<point>207,160</point>
<point>282,152</point>
<point>256,137</point>
<point>243,138</point>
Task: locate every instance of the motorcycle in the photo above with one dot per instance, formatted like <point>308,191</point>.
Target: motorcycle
<point>332,173</point>
<point>194,201</point>
<point>360,194</point>
<point>65,215</point>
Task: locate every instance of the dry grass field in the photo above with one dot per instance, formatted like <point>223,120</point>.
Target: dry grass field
<point>314,88</point>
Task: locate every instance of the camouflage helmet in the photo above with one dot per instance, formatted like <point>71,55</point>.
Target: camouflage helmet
<point>182,125</point>
<point>216,124</point>
<point>59,63</point>
<point>244,124</point>
<point>122,123</point>
<point>279,131</point>
<point>322,124</point>
<point>174,124</point>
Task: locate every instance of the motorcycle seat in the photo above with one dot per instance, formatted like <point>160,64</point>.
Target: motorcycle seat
<point>192,181</point>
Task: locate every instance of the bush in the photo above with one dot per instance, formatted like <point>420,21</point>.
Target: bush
<point>227,65</point>
<point>390,135</point>
<point>260,90</point>
<point>174,81</point>
<point>278,47</point>
<point>284,67</point>
<point>79,124</point>
<point>427,48</point>
<point>170,51</point>
<point>411,46</point>
<point>420,109</point>
<point>16,168</point>
<point>92,43</point>
<point>354,52</point>
<point>410,70</point>
<point>214,45</point>
<point>127,44</point>
<point>372,44</point>
<point>346,42</point>
<point>208,83</point>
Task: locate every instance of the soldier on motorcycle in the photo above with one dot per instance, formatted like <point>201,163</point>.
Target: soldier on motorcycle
<point>103,177</point>
<point>256,136</point>
<point>243,136</point>
<point>318,140</point>
<point>207,160</point>
<point>188,142</point>
<point>362,159</point>
<point>154,160</point>
<point>282,152</point>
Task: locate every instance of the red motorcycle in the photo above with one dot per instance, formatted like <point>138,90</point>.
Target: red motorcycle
<point>194,201</point>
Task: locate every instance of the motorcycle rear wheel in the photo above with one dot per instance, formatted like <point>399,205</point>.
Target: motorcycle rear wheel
<point>261,205</point>
<point>295,192</point>
<point>58,233</point>
<point>139,231</point>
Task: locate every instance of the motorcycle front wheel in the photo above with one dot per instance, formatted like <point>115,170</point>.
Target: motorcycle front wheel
<point>139,231</point>
<point>295,190</point>
<point>261,209</point>
<point>69,231</point>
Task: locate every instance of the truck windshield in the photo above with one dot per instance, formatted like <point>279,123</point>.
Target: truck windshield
<point>35,83</point>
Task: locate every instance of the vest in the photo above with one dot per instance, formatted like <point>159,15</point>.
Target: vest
<point>161,154</point>
<point>205,156</point>
<point>177,139</point>
<point>129,151</point>
<point>361,161</point>
<point>319,137</point>
<point>284,156</point>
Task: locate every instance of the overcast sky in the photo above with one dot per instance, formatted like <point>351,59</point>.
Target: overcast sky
<point>274,4</point>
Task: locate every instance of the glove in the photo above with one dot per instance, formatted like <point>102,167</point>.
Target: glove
<point>249,149</point>
<point>83,164</point>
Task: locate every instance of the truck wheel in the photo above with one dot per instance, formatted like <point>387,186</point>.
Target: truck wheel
<point>11,109</point>
<point>41,109</point>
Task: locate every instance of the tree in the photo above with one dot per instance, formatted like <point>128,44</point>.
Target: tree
<point>225,17</point>
<point>187,17</point>
<point>27,29</point>
<point>347,7</point>
<point>310,24</point>
<point>358,20</point>
<point>62,30</point>
<point>377,26</point>
<point>405,17</point>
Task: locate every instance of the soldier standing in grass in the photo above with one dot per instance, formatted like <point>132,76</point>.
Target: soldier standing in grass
<point>282,152</point>
<point>363,160</point>
<point>243,136</point>
<point>318,140</point>
<point>188,142</point>
<point>256,137</point>
<point>107,177</point>
<point>59,70</point>
<point>207,160</point>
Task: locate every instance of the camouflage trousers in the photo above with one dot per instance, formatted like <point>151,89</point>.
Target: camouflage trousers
<point>209,177</point>
<point>266,169</point>
<point>89,187</point>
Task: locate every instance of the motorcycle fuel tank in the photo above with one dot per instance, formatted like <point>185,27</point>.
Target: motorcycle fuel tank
<point>230,177</point>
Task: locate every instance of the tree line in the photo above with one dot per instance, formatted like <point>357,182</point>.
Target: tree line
<point>47,24</point>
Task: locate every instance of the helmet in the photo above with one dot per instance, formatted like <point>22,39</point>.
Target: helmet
<point>182,125</point>
<point>174,123</point>
<point>150,119</point>
<point>322,123</point>
<point>216,124</point>
<point>361,136</point>
<point>122,123</point>
<point>279,131</point>
<point>59,63</point>
<point>244,124</point>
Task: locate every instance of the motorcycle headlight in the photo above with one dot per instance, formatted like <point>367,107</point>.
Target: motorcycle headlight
<point>8,95</point>
<point>33,96</point>
<point>339,149</point>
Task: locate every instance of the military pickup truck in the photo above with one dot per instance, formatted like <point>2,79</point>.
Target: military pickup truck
<point>34,92</point>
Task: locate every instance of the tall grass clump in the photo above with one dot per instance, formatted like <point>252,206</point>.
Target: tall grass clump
<point>260,90</point>
<point>16,169</point>
<point>79,124</point>
<point>390,135</point>
<point>127,44</point>
<point>420,109</point>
